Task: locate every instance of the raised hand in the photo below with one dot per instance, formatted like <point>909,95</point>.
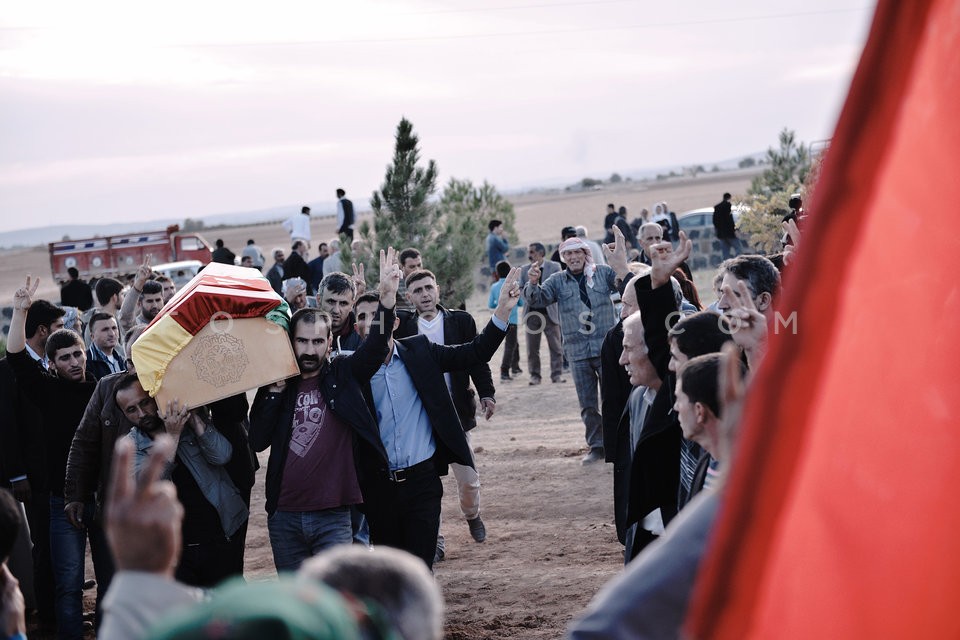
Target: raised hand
<point>733,390</point>
<point>143,273</point>
<point>748,325</point>
<point>389,277</point>
<point>359,282</point>
<point>533,275</point>
<point>23,297</point>
<point>143,521</point>
<point>616,253</point>
<point>509,294</point>
<point>664,259</point>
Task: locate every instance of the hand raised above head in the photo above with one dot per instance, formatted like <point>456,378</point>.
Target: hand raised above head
<point>23,297</point>
<point>533,274</point>
<point>509,294</point>
<point>389,277</point>
<point>664,259</point>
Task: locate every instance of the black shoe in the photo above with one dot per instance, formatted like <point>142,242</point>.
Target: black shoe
<point>505,377</point>
<point>534,381</point>
<point>559,380</point>
<point>517,372</point>
<point>477,530</point>
<point>594,455</point>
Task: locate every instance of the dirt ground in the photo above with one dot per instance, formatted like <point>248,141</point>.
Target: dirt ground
<point>551,542</point>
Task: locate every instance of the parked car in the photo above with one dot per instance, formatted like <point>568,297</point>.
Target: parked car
<point>698,225</point>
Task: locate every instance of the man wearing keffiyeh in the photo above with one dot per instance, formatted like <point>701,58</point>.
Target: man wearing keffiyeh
<point>583,293</point>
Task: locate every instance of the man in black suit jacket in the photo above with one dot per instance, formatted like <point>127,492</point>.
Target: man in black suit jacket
<point>419,427</point>
<point>444,326</point>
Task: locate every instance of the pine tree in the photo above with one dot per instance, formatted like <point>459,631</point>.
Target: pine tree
<point>450,233</point>
<point>787,166</point>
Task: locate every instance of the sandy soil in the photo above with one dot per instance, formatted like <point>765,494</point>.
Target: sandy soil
<point>551,541</point>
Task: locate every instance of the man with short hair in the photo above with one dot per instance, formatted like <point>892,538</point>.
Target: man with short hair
<point>410,261</point>
<point>298,226</point>
<point>145,293</point>
<point>104,356</point>
<point>651,233</point>
<point>419,428</point>
<point>333,262</point>
<point>335,295</point>
<point>295,265</point>
<point>75,292</point>
<point>586,314</point>
<point>539,321</point>
<point>345,215</point>
<point>253,252</point>
<point>109,295</point>
<point>313,425</point>
<point>760,277</point>
<point>169,287</point>
<point>222,254</point>
<point>275,273</point>
<point>61,395</point>
<point>497,245</point>
<point>449,327</point>
<point>22,449</point>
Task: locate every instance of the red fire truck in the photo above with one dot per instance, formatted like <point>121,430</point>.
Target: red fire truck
<point>122,254</point>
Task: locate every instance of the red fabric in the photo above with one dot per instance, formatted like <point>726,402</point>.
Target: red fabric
<point>220,292</point>
<point>840,517</point>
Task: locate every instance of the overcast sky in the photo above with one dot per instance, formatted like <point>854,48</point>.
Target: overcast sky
<point>110,111</point>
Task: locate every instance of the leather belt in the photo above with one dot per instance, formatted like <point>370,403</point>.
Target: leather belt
<point>401,475</point>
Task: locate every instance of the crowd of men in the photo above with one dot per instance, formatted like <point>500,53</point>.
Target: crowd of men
<point>391,383</point>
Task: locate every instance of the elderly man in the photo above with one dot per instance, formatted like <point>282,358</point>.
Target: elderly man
<point>650,234</point>
<point>583,292</point>
<point>275,273</point>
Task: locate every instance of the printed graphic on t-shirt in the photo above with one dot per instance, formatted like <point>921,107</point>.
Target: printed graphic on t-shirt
<point>307,422</point>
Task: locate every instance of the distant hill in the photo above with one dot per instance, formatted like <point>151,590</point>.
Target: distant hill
<point>42,235</point>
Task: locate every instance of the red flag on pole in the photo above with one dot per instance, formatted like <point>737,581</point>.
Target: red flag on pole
<point>841,518</point>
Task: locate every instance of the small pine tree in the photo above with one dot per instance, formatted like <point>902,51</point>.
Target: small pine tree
<point>788,166</point>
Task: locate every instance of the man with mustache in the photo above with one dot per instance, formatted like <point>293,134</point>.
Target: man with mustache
<point>311,425</point>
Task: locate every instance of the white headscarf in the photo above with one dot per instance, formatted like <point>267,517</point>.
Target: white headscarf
<point>571,244</point>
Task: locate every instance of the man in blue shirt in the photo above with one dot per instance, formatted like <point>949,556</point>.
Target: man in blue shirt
<point>497,246</point>
<point>419,427</point>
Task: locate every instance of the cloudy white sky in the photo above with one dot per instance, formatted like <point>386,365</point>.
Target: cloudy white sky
<point>118,111</point>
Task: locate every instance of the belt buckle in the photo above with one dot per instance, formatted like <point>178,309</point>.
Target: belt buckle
<point>398,476</point>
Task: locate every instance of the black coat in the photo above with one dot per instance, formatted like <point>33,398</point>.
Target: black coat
<point>61,404</point>
<point>615,388</point>
<point>723,224</point>
<point>21,433</point>
<point>76,293</point>
<point>426,363</point>
<point>341,382</point>
<point>296,267</point>
<point>459,327</point>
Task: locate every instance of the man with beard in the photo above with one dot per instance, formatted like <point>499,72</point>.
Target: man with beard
<point>145,292</point>
<point>335,296</point>
<point>61,395</point>
<point>313,424</point>
<point>214,508</point>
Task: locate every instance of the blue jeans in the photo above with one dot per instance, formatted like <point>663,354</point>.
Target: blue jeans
<point>586,378</point>
<point>68,547</point>
<point>298,535</point>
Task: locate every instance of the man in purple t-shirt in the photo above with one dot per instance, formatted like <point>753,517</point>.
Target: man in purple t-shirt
<point>312,424</point>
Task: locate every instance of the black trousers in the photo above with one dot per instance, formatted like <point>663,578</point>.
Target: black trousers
<point>405,515</point>
<point>207,565</point>
<point>38,517</point>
